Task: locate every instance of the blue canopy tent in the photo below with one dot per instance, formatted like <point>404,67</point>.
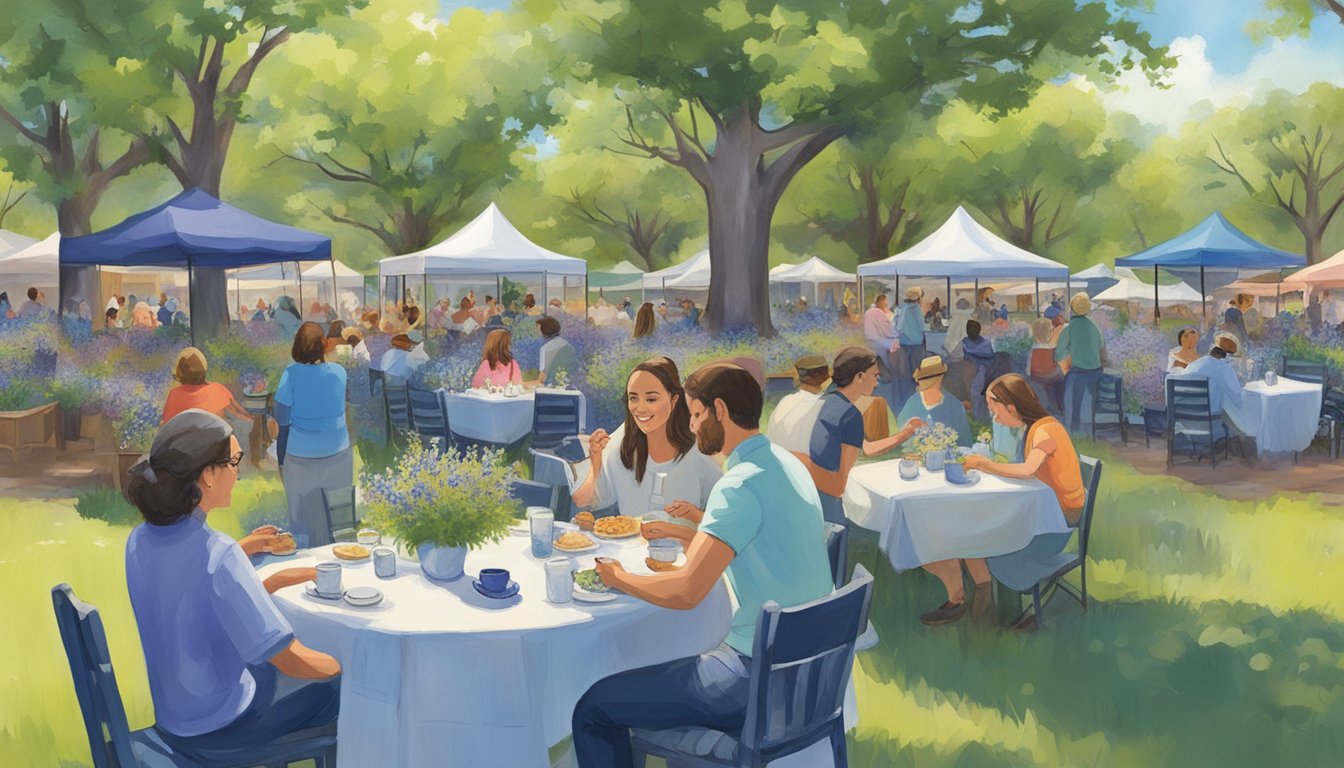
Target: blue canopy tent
<point>1213,244</point>
<point>194,231</point>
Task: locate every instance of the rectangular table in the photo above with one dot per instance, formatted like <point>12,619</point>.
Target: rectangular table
<point>497,418</point>
<point>928,519</point>
<point>1281,418</point>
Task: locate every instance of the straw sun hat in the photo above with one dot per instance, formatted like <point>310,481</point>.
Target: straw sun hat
<point>1080,303</point>
<point>930,367</point>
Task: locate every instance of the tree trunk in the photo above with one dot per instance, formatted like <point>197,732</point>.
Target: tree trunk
<point>739,233</point>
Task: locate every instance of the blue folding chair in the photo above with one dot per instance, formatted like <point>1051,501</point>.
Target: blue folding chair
<point>1190,414</point>
<point>375,381</point>
<point>429,417</point>
<point>801,660</point>
<point>1038,577</point>
<point>837,549</point>
<point>396,408</point>
<point>100,703</point>
<point>1303,370</point>
<point>533,494</point>
<point>338,504</point>
<point>554,417</point>
<point>1108,407</point>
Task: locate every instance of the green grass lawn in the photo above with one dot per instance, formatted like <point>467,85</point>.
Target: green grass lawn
<point>1215,639</point>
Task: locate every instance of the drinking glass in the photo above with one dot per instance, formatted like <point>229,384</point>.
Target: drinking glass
<point>542,522</point>
<point>384,563</point>
<point>559,580</point>
<point>329,578</point>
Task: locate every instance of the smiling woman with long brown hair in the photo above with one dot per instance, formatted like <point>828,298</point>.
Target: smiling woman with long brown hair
<point>655,439</point>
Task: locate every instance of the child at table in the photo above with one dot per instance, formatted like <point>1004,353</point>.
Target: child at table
<point>1050,458</point>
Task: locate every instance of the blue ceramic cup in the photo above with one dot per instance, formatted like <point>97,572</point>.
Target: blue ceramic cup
<point>956,472</point>
<point>494,579</point>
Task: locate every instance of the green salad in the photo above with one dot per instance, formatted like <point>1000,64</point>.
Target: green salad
<point>589,581</point>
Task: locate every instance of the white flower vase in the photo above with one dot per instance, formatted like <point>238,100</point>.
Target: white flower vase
<point>442,563</point>
<point>934,460</point>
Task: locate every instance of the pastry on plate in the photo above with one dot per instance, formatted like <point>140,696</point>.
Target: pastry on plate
<point>350,551</point>
<point>659,565</point>
<point>616,526</point>
<point>284,544</point>
<point>584,520</point>
<point>573,540</point>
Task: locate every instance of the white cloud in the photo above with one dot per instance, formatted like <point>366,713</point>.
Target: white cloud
<point>1290,65</point>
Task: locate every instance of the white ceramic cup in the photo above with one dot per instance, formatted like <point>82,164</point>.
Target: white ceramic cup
<point>329,578</point>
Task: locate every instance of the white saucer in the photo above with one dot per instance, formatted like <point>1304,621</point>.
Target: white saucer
<point>363,597</point>
<point>584,596</point>
<point>310,590</point>
<point>972,477</point>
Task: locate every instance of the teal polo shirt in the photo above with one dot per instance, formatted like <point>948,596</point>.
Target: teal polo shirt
<point>766,508</point>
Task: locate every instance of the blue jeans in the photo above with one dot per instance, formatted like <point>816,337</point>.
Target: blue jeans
<point>265,720</point>
<point>709,690</point>
<point>908,358</point>
<point>832,508</point>
<point>1077,382</point>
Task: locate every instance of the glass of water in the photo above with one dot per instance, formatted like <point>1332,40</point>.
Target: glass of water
<point>541,520</point>
<point>384,563</point>
<point>559,580</point>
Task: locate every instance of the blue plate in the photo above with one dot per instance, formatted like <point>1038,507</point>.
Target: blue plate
<point>509,591</point>
<point>972,477</point>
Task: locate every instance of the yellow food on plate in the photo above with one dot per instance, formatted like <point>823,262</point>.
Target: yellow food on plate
<point>350,551</point>
<point>659,565</point>
<point>616,526</point>
<point>284,544</point>
<point>584,520</point>
<point>573,540</point>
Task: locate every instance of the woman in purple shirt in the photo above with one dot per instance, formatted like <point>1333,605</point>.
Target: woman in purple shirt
<point>217,650</point>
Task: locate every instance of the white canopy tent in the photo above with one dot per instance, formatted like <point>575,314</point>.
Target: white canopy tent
<point>11,242</point>
<point>34,264</point>
<point>488,245</point>
<point>961,250</point>
<point>619,278</point>
<point>247,285</point>
<point>690,275</point>
<point>813,272</point>
<point>1130,289</point>
<point>1093,275</point>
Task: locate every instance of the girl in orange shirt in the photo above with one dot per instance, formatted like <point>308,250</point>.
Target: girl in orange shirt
<point>1050,458</point>
<point>193,391</point>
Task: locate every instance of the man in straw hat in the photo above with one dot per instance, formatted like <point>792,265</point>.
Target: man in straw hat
<point>1224,386</point>
<point>931,405</point>
<point>909,326</point>
<point>792,420</point>
<point>1080,343</point>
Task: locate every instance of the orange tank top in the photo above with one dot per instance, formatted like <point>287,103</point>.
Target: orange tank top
<point>1061,469</point>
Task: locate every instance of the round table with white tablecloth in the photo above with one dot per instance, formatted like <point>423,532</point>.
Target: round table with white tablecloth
<point>493,417</point>
<point>929,519</point>
<point>438,674</point>
<point>1283,417</point>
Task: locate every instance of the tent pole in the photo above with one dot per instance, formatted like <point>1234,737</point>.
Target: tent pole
<point>334,302</point>
<point>1156,319</point>
<point>948,308</point>
<point>300,277</point>
<point>1038,297</point>
<point>1203,301</point>
<point>499,290</point>
<point>1278,295</point>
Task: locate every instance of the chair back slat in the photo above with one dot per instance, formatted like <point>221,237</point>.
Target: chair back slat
<point>837,548</point>
<point>339,506</point>
<point>1188,399</point>
<point>800,666</point>
<point>1110,394</point>
<point>554,417</point>
<point>1303,370</point>
<point>428,414</point>
<point>533,494</point>
<point>95,681</point>
<point>1091,481</point>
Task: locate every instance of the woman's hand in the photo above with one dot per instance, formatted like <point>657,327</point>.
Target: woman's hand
<point>610,570</point>
<point>597,443</point>
<point>288,578</point>
<point>263,539</point>
<point>977,462</point>
<point>913,424</point>
<point>685,510</point>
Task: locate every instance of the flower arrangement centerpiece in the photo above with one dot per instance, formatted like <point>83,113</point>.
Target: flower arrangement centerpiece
<point>934,441</point>
<point>562,379</point>
<point>441,503</point>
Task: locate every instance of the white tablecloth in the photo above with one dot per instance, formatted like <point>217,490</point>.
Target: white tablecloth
<point>440,675</point>
<point>495,418</point>
<point>928,519</point>
<point>1281,418</point>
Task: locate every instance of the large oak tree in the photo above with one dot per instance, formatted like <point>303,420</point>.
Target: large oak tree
<point>751,91</point>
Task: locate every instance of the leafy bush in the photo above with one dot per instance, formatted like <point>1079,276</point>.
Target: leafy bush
<point>446,499</point>
<point>108,505</point>
<point>1139,354</point>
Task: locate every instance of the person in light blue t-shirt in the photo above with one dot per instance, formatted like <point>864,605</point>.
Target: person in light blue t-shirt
<point>763,528</point>
<point>314,446</point>
<point>215,645</point>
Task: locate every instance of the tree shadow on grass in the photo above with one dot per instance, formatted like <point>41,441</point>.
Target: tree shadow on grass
<point>1164,682</point>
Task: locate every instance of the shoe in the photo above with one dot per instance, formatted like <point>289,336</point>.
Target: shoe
<point>944,614</point>
<point>982,605</point>
<point>1025,624</point>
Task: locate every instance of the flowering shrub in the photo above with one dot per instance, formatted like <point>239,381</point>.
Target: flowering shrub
<point>1017,342</point>
<point>1139,355</point>
<point>933,437</point>
<point>444,499</point>
<point>138,423</point>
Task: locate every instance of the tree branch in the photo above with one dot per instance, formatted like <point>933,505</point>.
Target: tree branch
<point>243,77</point>
<point>136,154</point>
<point>787,165</point>
<point>783,137</point>
<point>1231,168</point>
<point>353,176</point>
<point>388,238</point>
<point>27,132</point>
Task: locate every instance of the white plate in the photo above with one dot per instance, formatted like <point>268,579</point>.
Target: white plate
<point>363,596</point>
<point>286,554</point>
<point>589,548</point>
<point>584,596</point>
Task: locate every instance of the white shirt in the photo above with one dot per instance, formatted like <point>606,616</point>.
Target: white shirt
<point>361,352</point>
<point>1330,312</point>
<point>399,362</point>
<point>689,478</point>
<point>792,421</point>
<point>1224,386</point>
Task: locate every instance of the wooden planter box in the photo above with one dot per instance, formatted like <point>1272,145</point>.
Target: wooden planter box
<point>125,460</point>
<point>33,428</point>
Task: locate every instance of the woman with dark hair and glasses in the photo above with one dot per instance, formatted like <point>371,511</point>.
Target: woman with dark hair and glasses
<point>314,446</point>
<point>216,648</point>
<point>656,439</point>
